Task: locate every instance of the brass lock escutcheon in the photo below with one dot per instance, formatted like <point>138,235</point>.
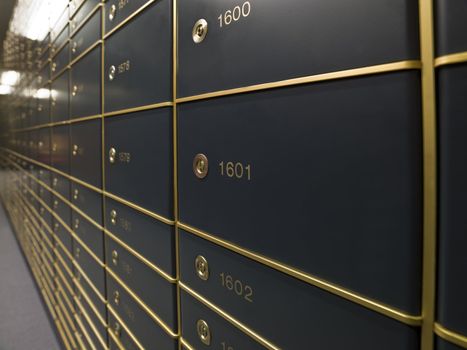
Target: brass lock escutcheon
<point>117,329</point>
<point>202,267</point>
<point>200,29</point>
<point>54,182</point>
<point>75,90</point>
<point>204,332</point>
<point>54,66</point>
<point>115,257</point>
<point>77,252</point>
<point>75,150</point>
<point>76,223</point>
<point>200,166</point>
<point>112,12</point>
<point>55,204</point>
<point>116,297</point>
<point>112,71</point>
<point>112,155</point>
<point>74,47</point>
<point>75,194</point>
<point>113,216</point>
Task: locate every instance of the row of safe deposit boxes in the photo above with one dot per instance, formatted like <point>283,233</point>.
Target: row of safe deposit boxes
<point>230,174</point>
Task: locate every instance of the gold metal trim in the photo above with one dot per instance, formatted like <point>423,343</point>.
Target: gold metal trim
<point>90,323</point>
<point>138,208</point>
<point>60,48</point>
<point>85,332</point>
<point>142,304</point>
<point>90,283</point>
<point>429,173</point>
<point>66,328</point>
<point>141,258</point>
<point>58,324</point>
<point>59,73</point>
<point>117,341</point>
<point>185,344</point>
<point>450,336</point>
<point>459,57</point>
<point>128,19</point>
<point>89,302</point>
<point>388,311</point>
<point>125,327</point>
<point>355,72</point>
<point>138,109</point>
<point>267,344</point>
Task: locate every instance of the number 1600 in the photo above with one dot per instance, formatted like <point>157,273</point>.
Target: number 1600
<point>235,14</point>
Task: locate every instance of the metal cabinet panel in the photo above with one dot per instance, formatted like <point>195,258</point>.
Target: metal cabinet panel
<point>86,160</point>
<point>451,26</point>
<point>62,210</point>
<point>93,270</point>
<point>154,240</point>
<point>97,324</point>
<point>61,21</point>
<point>442,344</point>
<point>61,185</point>
<point>143,327</point>
<point>122,335</point>
<point>43,105</point>
<point>151,288</point>
<point>266,301</point>
<point>141,172</point>
<point>44,145</point>
<point>60,155</point>
<point>91,235</point>
<point>85,84</point>
<point>270,42</point>
<point>138,60</point>
<point>43,76</point>
<point>62,235</point>
<point>86,36</point>
<point>59,96</point>
<point>452,241</point>
<point>60,41</point>
<point>60,61</point>
<point>117,11</point>
<point>336,165</point>
<point>89,201</point>
<point>224,334</point>
<point>82,12</point>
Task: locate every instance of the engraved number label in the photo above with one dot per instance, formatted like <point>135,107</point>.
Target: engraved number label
<point>226,346</point>
<point>241,289</point>
<point>124,67</point>
<point>122,3</point>
<point>237,170</point>
<point>234,14</point>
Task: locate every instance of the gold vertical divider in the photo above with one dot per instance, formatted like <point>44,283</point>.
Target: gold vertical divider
<point>429,173</point>
<point>107,340</point>
<point>175,160</point>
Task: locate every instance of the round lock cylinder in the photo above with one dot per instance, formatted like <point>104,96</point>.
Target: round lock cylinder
<point>200,30</point>
<point>202,267</point>
<point>54,182</point>
<point>76,224</point>
<point>113,216</point>
<point>112,155</point>
<point>75,150</point>
<point>116,297</point>
<point>75,194</point>
<point>74,46</point>
<point>77,252</point>
<point>117,329</point>
<point>112,12</point>
<point>115,257</point>
<point>200,166</point>
<point>112,71</point>
<point>204,332</point>
<point>75,90</point>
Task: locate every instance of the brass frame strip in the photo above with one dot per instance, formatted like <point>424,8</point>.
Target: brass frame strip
<point>58,74</point>
<point>114,338</point>
<point>60,48</point>
<point>152,314</point>
<point>128,19</point>
<point>450,336</point>
<point>84,332</point>
<point>137,109</point>
<point>348,73</point>
<point>125,327</point>
<point>58,324</point>
<point>67,331</point>
<point>264,342</point>
<point>429,173</point>
<point>89,302</point>
<point>458,57</point>
<point>90,323</point>
<point>184,343</point>
<point>373,305</point>
<point>72,14</point>
<point>89,282</point>
<point>140,257</point>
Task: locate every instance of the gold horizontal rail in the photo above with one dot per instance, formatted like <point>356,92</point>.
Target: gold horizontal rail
<point>454,58</point>
<point>450,336</point>
<point>388,311</point>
